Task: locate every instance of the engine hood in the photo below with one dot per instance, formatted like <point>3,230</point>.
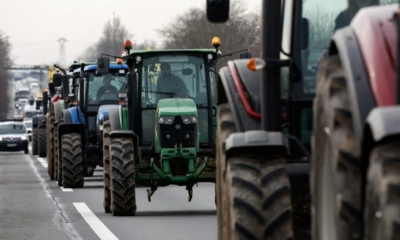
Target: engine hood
<point>176,107</point>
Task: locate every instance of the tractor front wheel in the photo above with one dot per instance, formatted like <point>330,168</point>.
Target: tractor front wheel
<point>72,161</point>
<point>106,165</point>
<point>123,197</point>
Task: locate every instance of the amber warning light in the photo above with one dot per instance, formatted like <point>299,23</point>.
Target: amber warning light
<point>216,42</point>
<point>127,44</point>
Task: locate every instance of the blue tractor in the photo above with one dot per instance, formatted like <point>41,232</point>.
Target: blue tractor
<point>80,133</point>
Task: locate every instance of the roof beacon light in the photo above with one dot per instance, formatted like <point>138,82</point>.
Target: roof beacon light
<point>119,60</point>
<point>216,42</point>
<point>127,45</point>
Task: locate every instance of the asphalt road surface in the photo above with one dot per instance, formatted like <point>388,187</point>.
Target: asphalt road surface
<point>34,207</point>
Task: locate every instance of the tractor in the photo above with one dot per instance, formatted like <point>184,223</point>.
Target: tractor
<point>64,97</point>
<point>161,133</point>
<point>79,145</point>
<point>272,176</point>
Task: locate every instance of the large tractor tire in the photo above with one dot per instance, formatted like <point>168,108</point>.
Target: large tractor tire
<point>226,126</point>
<point>335,175</point>
<point>123,197</point>
<point>35,141</point>
<point>106,165</point>
<point>72,161</point>
<point>254,197</point>
<point>382,214</point>
<point>42,142</point>
<point>51,169</point>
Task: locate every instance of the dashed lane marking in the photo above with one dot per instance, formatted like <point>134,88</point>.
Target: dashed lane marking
<point>42,161</point>
<point>66,189</point>
<point>98,226</point>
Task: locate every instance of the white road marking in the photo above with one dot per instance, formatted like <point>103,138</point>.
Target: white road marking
<point>66,189</point>
<point>98,226</point>
<point>42,161</point>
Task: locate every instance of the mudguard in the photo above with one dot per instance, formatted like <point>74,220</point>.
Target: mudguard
<point>113,113</point>
<point>238,75</point>
<point>256,142</point>
<point>383,122</point>
<point>76,116</point>
<point>57,110</point>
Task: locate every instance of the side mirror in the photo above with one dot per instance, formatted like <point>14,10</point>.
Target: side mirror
<point>103,65</point>
<point>305,33</point>
<point>57,79</point>
<point>38,104</point>
<point>187,71</point>
<point>217,11</point>
<point>245,55</point>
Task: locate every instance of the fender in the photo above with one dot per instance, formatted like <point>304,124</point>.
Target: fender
<point>113,113</point>
<point>57,111</point>
<point>360,94</point>
<point>102,112</point>
<point>245,110</point>
<point>383,122</point>
<point>76,116</point>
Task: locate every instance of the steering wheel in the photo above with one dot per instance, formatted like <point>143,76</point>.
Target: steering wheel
<point>179,93</point>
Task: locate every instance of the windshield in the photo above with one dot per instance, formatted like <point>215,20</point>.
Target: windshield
<point>173,76</point>
<point>22,93</point>
<point>30,114</point>
<point>28,124</point>
<point>324,18</point>
<point>12,128</point>
<point>105,87</point>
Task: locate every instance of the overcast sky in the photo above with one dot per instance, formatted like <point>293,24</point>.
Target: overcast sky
<point>34,26</point>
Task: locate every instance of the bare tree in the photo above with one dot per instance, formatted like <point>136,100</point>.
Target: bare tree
<point>114,34</point>
<point>5,62</point>
<point>192,30</point>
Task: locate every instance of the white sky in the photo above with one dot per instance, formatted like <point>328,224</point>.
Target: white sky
<point>33,26</point>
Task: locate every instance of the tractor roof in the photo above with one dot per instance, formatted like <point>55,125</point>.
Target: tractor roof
<point>76,65</point>
<point>93,66</point>
<point>183,51</point>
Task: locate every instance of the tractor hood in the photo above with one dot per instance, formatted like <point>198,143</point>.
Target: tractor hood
<point>176,107</point>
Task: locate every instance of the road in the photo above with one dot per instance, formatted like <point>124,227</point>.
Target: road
<point>34,207</point>
<point>30,199</point>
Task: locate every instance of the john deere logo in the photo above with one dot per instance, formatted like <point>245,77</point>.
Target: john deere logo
<point>177,126</point>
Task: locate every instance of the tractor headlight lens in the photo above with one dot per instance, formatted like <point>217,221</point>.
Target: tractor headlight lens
<point>189,119</point>
<point>166,120</point>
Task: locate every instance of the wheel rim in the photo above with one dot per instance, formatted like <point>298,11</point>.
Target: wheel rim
<point>326,205</point>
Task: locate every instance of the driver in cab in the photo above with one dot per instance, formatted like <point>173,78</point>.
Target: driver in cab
<point>169,83</point>
<point>107,88</point>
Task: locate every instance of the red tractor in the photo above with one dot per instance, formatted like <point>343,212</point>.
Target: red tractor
<point>314,116</point>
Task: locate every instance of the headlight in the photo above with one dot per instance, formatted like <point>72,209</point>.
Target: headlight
<point>23,138</point>
<point>166,120</point>
<point>189,119</point>
<point>1,139</point>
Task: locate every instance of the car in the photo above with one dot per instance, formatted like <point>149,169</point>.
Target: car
<point>28,125</point>
<point>13,136</point>
<point>28,113</point>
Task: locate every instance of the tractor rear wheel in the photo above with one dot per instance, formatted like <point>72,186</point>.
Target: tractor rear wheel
<point>123,197</point>
<point>72,161</point>
<point>35,141</point>
<point>226,126</point>
<point>42,142</point>
<point>106,165</point>
<point>382,213</point>
<point>335,172</point>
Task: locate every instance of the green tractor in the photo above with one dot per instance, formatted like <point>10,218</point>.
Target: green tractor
<point>163,132</point>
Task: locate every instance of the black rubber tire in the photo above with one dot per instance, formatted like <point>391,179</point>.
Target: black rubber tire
<point>26,151</point>
<point>35,141</point>
<point>51,166</point>
<point>72,161</point>
<point>123,197</point>
<point>57,157</point>
<point>225,127</point>
<point>106,165</point>
<point>42,142</point>
<point>335,172</point>
<point>382,213</point>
